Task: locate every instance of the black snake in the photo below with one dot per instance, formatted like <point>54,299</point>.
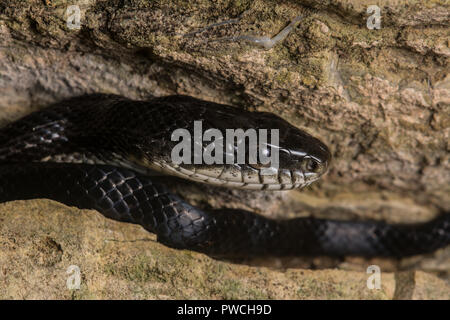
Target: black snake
<point>98,151</point>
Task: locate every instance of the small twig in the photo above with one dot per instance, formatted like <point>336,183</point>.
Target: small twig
<point>266,42</point>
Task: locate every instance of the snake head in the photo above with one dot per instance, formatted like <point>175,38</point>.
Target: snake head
<point>286,158</point>
<point>302,158</point>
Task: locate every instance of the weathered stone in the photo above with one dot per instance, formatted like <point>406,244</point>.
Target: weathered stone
<point>123,261</point>
<point>379,98</point>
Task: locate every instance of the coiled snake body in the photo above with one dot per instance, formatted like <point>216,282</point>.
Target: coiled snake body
<point>98,152</point>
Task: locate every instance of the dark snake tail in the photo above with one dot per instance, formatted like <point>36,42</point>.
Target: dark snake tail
<point>124,195</point>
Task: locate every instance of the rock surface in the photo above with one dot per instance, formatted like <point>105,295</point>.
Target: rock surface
<point>40,240</point>
<point>379,98</point>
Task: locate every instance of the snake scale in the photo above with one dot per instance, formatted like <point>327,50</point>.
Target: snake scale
<point>101,152</point>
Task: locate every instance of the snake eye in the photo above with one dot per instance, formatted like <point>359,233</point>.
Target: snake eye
<point>312,165</point>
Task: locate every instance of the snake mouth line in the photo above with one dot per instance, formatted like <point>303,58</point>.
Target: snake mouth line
<point>176,170</point>
<point>146,167</point>
<point>281,179</point>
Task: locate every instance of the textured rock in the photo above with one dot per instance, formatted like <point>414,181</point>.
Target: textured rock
<point>379,98</point>
<point>41,239</point>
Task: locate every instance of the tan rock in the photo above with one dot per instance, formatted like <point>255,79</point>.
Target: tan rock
<point>379,98</point>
